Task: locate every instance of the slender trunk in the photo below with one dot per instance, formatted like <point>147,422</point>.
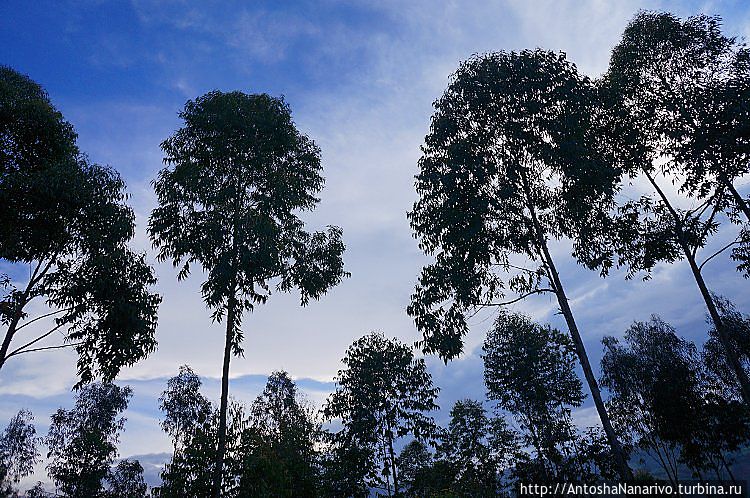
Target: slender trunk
<point>393,462</point>
<point>738,200</point>
<point>707,298</point>
<point>619,455</point>
<point>219,464</point>
<point>726,466</point>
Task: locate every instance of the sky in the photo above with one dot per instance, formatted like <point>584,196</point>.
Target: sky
<point>360,78</point>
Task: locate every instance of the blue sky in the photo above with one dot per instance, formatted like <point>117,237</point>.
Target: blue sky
<point>360,78</point>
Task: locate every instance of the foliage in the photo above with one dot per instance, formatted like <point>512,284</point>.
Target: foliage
<point>654,381</point>
<point>283,436</point>
<point>714,358</point>
<point>183,405</point>
<point>529,371</point>
<point>18,451</point>
<point>476,449</point>
<point>67,219</point>
<point>126,481</point>
<point>491,184</point>
<point>82,441</point>
<point>382,394</point>
<point>238,173</point>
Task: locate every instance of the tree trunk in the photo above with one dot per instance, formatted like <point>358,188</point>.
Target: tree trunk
<point>707,298</point>
<point>393,462</point>
<point>219,463</point>
<point>738,200</point>
<point>620,461</point>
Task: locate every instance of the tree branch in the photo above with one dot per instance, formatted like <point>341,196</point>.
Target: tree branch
<point>31,343</point>
<point>70,345</point>
<point>734,242</point>
<point>537,291</point>
<point>41,317</point>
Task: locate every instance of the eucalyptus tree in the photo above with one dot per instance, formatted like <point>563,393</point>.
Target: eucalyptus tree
<point>654,380</point>
<point>285,435</point>
<point>126,481</point>
<point>529,372</point>
<point>715,360</point>
<point>239,173</point>
<point>511,164</point>
<point>67,221</point>
<point>662,94</point>
<point>476,448</point>
<point>382,394</point>
<point>18,452</point>
<point>687,84</point>
<point>82,441</point>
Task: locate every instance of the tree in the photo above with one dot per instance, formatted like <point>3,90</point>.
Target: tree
<point>477,449</point>
<point>240,171</point>
<point>528,371</point>
<point>657,82</point>
<point>416,466</point>
<point>654,381</point>
<point>285,434</point>
<point>190,421</point>
<point>184,406</point>
<point>18,452</point>
<point>126,481</point>
<point>67,220</point>
<point>82,441</point>
<point>511,163</point>
<point>738,335</point>
<point>381,395</point>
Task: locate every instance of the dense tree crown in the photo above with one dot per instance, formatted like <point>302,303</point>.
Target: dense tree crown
<point>239,172</point>
<point>66,219</point>
<point>382,394</point>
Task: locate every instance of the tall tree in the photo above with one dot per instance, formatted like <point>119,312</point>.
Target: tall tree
<point>511,164</point>
<point>67,220</point>
<point>82,441</point>
<point>239,172</point>
<point>18,452</point>
<point>654,85</point>
<point>382,394</point>
<point>528,370</point>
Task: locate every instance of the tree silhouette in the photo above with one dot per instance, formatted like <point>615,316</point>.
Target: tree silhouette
<point>528,371</point>
<point>475,448</point>
<point>285,434</point>
<point>654,381</point>
<point>655,73</point>
<point>510,164</point>
<point>82,441</point>
<point>66,218</point>
<point>382,394</point>
<point>126,481</point>
<point>238,172</point>
<point>18,452</point>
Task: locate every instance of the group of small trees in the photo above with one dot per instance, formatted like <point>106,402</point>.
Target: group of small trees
<point>82,448</point>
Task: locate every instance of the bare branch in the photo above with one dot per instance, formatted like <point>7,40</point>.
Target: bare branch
<point>537,291</point>
<point>734,242</point>
<point>41,317</point>
<point>31,343</point>
<point>61,346</point>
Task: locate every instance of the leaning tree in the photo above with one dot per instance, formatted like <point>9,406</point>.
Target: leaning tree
<point>64,229</point>
<point>239,173</point>
<point>668,84</point>
<point>511,164</point>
